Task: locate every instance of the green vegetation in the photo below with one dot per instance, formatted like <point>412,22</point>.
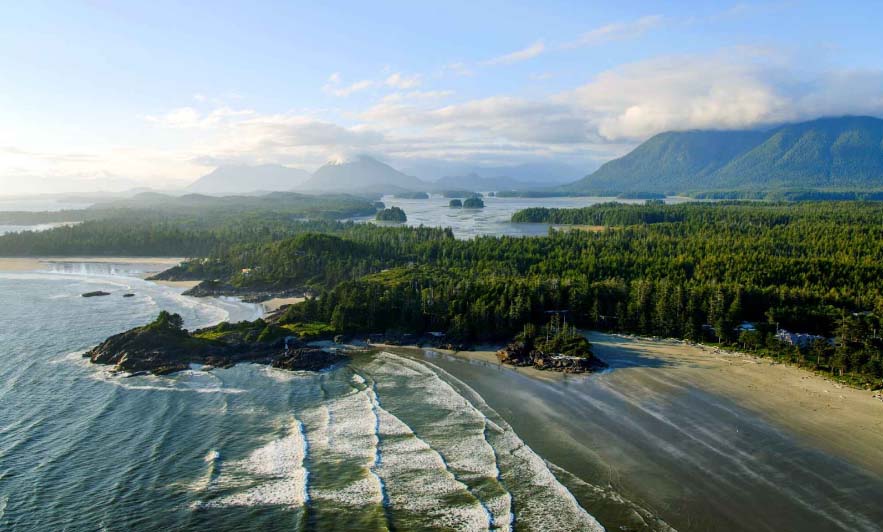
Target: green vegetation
<point>827,154</point>
<point>189,226</point>
<point>392,214</point>
<point>455,204</point>
<point>473,203</point>
<point>411,195</point>
<point>461,194</point>
<point>697,271</point>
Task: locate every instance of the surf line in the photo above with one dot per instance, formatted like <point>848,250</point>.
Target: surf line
<point>378,453</point>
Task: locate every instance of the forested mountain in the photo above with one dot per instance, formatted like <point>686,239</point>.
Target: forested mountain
<point>364,174</point>
<point>239,179</point>
<point>828,153</point>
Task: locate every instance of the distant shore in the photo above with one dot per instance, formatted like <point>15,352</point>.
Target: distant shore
<point>22,264</point>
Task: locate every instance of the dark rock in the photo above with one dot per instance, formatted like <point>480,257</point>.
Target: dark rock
<point>128,295</point>
<point>164,347</point>
<point>97,293</point>
<point>519,354</point>
<point>307,359</point>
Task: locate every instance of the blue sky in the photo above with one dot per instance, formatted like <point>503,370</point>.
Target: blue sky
<point>112,94</point>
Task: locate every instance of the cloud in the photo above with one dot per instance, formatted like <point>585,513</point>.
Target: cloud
<point>617,31</point>
<point>189,118</point>
<point>530,52</point>
<point>737,88</point>
<point>460,70</point>
<point>400,81</point>
<point>350,89</point>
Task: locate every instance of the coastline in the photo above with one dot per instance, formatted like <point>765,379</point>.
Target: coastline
<point>22,264</point>
<point>845,421</point>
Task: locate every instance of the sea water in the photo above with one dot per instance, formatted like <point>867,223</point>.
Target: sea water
<point>383,442</point>
<point>392,440</point>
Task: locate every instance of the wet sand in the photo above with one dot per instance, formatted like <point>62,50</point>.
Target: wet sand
<point>186,285</point>
<point>842,420</point>
<point>704,440</point>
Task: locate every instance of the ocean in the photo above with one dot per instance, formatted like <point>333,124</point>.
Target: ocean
<point>404,439</point>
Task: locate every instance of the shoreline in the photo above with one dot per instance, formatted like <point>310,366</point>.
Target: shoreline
<point>844,421</point>
<point>24,264</point>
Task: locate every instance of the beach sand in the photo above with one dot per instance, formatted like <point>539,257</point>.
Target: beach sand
<point>187,285</point>
<point>841,420</point>
<point>276,303</point>
<point>21,264</point>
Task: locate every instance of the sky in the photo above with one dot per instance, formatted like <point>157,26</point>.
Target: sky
<point>111,95</point>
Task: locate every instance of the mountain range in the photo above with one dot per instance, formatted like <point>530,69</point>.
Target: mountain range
<point>362,175</point>
<point>827,153</point>
<point>237,179</point>
<point>844,153</point>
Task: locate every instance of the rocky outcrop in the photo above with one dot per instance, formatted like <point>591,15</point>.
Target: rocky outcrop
<point>97,293</point>
<point>307,359</point>
<point>164,347</point>
<point>519,353</point>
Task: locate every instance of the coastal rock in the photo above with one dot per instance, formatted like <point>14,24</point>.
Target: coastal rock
<point>97,293</point>
<point>128,295</point>
<point>518,353</point>
<point>307,359</point>
<point>163,346</point>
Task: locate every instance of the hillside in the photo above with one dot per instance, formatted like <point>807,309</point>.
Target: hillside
<point>828,153</point>
<point>364,174</point>
<point>240,179</point>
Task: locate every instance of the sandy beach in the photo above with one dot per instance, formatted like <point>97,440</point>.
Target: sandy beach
<point>841,420</point>
<point>22,264</point>
<point>272,305</point>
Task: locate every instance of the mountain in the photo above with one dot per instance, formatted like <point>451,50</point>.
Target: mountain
<point>545,173</point>
<point>844,152</point>
<point>364,174</point>
<point>239,179</point>
<point>477,183</point>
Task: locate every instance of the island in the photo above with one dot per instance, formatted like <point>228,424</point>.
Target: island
<point>411,195</point>
<point>473,203</point>
<point>392,214</point>
<point>556,347</point>
<point>455,204</point>
<point>164,346</point>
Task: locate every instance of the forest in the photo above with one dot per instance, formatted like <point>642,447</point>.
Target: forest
<point>731,273</point>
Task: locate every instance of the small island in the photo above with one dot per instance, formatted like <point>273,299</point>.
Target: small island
<point>556,347</point>
<point>473,203</point>
<point>460,194</point>
<point>164,346</point>
<point>455,204</point>
<point>392,214</point>
<point>411,195</point>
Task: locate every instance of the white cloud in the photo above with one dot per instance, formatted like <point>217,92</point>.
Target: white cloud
<point>617,31</point>
<point>400,81</point>
<point>350,89</point>
<point>188,117</point>
<point>530,52</point>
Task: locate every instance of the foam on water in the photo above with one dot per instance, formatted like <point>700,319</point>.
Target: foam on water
<point>418,482</point>
<point>467,455</point>
<point>540,501</point>
<point>271,475</point>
